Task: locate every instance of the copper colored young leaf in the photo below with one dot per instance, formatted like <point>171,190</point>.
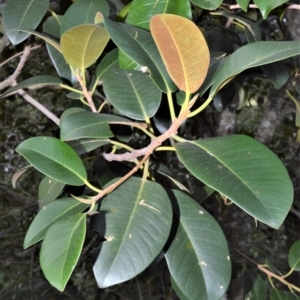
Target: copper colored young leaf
<point>183,49</point>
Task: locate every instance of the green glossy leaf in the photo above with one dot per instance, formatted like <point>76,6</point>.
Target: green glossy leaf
<point>254,286</point>
<point>54,158</point>
<point>36,82</point>
<point>294,256</point>
<point>125,62</point>
<point>183,49</point>
<point>141,11</point>
<point>18,174</point>
<point>177,290</point>
<point>23,14</point>
<point>138,44</point>
<point>244,4</point>
<point>82,45</point>
<point>265,6</point>
<point>86,124</point>
<point>244,171</point>
<point>50,214</point>
<point>277,72</point>
<point>49,190</point>
<point>68,112</point>
<point>198,257</point>
<point>250,56</point>
<point>50,40</point>
<point>281,295</point>
<point>109,60</point>
<point>51,27</point>
<point>207,4</point>
<point>162,169</point>
<point>82,146</point>
<point>83,12</point>
<point>61,249</point>
<point>136,222</point>
<point>132,92</point>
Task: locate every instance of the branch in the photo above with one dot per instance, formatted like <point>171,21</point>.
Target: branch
<point>86,93</point>
<point>154,144</point>
<point>12,81</point>
<point>271,274</point>
<point>39,106</point>
<point>131,155</point>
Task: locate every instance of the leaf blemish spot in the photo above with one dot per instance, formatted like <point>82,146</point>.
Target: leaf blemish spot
<point>110,238</point>
<point>130,236</point>
<point>142,202</point>
<point>221,287</point>
<point>201,212</point>
<point>202,263</point>
<point>228,257</point>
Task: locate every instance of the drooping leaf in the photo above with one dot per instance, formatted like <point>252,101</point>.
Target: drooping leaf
<point>183,50</point>
<point>50,214</point>
<point>107,171</point>
<point>49,190</point>
<point>82,146</point>
<point>109,60</point>
<point>254,286</point>
<point>207,4</point>
<point>294,256</point>
<point>141,11</point>
<point>244,4</point>
<point>250,27</point>
<point>163,170</point>
<point>83,12</point>
<point>250,56</point>
<point>198,257</point>
<point>35,82</point>
<point>267,5</point>
<point>277,72</point>
<point>23,14</point>
<point>61,249</point>
<point>86,124</point>
<point>52,27</point>
<point>138,44</point>
<point>132,92</point>
<point>83,44</point>
<point>136,222</point>
<point>48,39</point>
<point>54,158</point>
<point>18,174</point>
<point>244,171</point>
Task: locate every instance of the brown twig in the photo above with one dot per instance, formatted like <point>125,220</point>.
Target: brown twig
<point>86,93</point>
<point>12,81</point>
<point>151,147</point>
<point>18,54</point>
<point>269,273</point>
<point>134,154</point>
